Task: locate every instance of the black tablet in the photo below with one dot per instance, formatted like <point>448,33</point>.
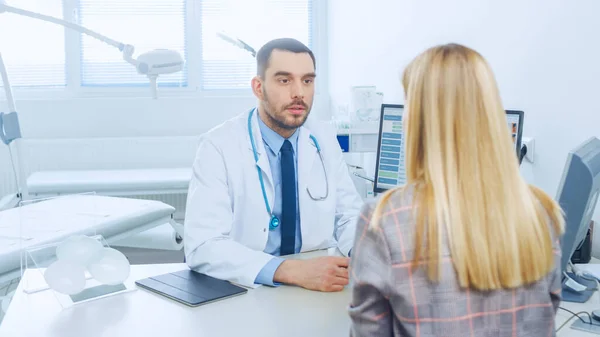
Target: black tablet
<point>190,288</point>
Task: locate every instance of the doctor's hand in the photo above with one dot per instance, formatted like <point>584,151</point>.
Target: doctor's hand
<point>328,274</point>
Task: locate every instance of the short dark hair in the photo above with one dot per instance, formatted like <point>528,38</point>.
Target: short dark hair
<point>286,44</point>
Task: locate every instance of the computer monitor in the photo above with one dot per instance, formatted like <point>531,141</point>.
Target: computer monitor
<point>389,167</point>
<point>390,170</point>
<point>515,118</point>
<point>578,194</point>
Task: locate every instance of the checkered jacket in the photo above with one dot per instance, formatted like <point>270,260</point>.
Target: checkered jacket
<point>390,299</point>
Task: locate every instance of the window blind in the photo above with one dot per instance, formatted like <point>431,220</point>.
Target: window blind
<point>145,24</point>
<point>255,22</point>
<point>33,50</point>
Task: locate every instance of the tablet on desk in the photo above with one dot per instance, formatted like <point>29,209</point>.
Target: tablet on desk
<point>190,288</point>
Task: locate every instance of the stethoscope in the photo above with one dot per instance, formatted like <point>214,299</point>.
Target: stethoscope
<point>275,222</point>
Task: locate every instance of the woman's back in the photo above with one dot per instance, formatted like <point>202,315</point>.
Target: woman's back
<point>392,298</point>
<point>468,247</point>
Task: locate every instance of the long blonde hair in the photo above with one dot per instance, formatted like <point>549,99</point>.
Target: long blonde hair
<point>462,163</point>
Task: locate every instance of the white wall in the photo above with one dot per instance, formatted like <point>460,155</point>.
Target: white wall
<point>545,54</point>
<point>125,117</point>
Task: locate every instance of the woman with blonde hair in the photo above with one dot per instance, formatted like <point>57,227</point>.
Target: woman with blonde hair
<point>466,247</point>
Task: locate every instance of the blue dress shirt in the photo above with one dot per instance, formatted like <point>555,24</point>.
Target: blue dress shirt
<point>273,142</point>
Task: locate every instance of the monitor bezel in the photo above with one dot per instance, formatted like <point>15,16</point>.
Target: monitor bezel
<point>521,115</point>
<point>377,189</point>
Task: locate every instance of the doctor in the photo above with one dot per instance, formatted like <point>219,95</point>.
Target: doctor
<point>265,184</point>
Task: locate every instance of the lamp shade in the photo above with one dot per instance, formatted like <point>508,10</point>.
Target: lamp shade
<point>159,62</point>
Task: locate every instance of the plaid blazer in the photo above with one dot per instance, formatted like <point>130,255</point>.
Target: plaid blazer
<point>389,299</point>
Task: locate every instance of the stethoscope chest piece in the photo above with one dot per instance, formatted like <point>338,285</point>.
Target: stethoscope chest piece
<point>274,223</point>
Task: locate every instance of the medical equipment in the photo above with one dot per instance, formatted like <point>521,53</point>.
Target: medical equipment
<point>79,253</point>
<point>112,268</point>
<point>358,141</point>
<point>152,63</point>
<point>362,182</point>
<point>358,136</point>
<point>52,221</point>
<point>65,278</point>
<point>366,102</point>
<point>78,269</point>
<point>361,137</point>
<point>274,222</point>
<point>79,249</point>
<point>324,172</point>
<point>127,182</point>
<point>237,42</point>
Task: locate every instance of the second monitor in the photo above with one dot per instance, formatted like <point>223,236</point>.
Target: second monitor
<point>390,170</point>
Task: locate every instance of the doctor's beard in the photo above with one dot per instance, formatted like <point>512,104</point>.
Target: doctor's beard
<point>279,116</point>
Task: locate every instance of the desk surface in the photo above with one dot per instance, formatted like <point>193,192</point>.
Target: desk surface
<point>264,312</point>
<point>561,316</point>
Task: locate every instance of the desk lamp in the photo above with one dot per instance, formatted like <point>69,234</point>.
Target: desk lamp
<point>152,64</point>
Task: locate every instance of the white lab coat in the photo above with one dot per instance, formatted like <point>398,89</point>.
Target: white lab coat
<point>226,222</point>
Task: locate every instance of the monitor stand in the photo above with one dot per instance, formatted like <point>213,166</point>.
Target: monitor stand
<point>569,295</point>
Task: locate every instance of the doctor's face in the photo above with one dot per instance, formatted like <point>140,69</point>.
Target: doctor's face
<point>286,90</point>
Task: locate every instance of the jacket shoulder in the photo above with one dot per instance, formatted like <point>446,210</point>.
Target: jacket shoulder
<point>320,128</point>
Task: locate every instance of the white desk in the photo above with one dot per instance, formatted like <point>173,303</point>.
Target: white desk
<point>263,312</point>
<point>591,305</point>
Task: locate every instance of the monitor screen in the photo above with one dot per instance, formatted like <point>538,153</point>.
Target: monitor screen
<point>514,119</point>
<point>390,170</point>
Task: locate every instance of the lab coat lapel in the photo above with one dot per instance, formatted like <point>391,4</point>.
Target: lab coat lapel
<point>263,159</point>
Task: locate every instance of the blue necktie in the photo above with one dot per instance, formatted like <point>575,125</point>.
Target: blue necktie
<point>288,202</point>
